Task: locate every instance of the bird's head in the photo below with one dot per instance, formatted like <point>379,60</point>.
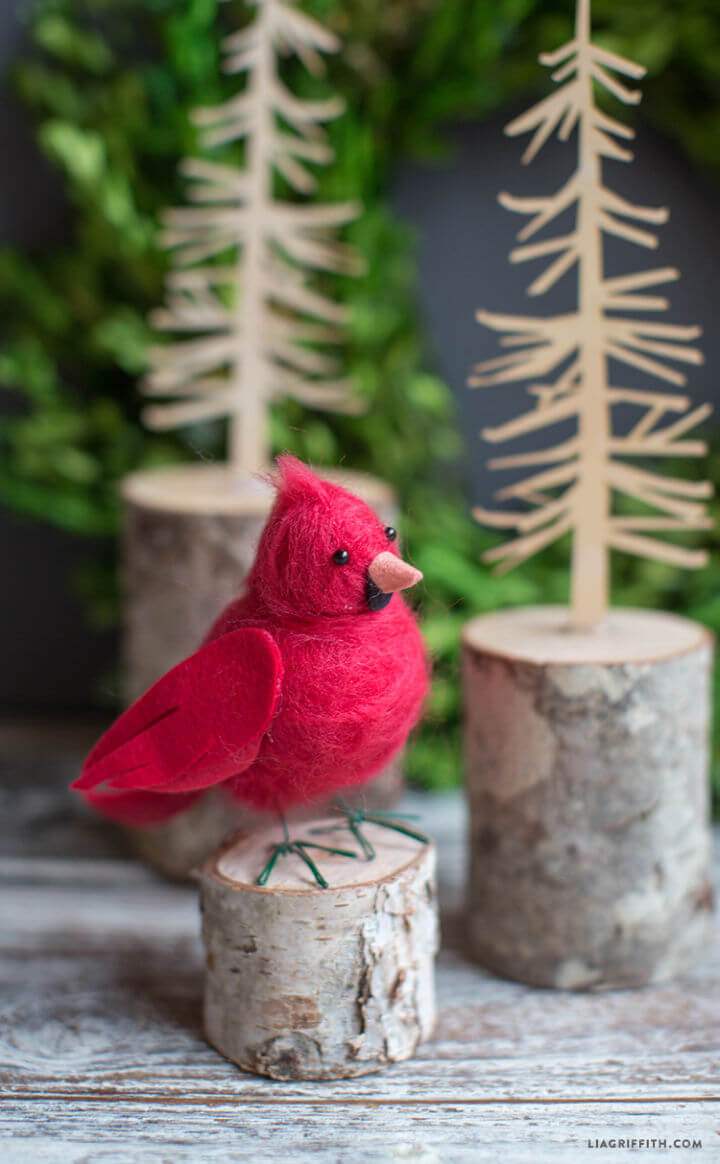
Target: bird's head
<point>324,552</point>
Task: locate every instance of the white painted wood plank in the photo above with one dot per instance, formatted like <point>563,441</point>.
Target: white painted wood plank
<point>125,1133</point>
<point>105,983</point>
<point>103,1058</point>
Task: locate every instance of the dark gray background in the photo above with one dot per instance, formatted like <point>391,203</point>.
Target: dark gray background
<point>50,658</point>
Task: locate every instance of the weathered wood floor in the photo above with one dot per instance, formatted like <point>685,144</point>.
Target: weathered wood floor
<point>103,1058</point>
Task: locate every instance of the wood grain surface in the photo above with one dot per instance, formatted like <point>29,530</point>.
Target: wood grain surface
<point>102,1056</point>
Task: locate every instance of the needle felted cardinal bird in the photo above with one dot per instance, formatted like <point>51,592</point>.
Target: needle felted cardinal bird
<point>307,684</point>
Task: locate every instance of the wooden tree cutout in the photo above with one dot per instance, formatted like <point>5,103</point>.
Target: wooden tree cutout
<point>566,357</point>
<point>240,295</point>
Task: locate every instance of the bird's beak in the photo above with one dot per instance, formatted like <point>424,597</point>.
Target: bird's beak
<point>387,574</point>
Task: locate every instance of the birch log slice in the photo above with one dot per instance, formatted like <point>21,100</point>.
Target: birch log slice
<point>189,539</point>
<point>587,774</point>
<point>310,983</point>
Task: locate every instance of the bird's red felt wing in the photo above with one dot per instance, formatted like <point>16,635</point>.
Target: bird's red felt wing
<point>200,724</point>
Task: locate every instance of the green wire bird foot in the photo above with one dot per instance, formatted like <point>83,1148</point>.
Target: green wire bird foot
<point>287,847</point>
<point>355,817</point>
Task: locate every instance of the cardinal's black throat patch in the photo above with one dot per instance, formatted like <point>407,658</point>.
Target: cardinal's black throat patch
<point>376,598</point>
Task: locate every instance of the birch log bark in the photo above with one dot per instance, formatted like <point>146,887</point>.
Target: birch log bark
<point>587,775</point>
<point>309,983</point>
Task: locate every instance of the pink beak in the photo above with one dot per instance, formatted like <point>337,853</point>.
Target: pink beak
<point>390,573</point>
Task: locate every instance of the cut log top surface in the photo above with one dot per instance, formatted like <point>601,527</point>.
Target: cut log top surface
<point>202,488</point>
<point>243,860</point>
<point>543,635</point>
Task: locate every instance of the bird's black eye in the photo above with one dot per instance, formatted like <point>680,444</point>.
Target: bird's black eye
<point>341,557</point>
<point>390,533</point>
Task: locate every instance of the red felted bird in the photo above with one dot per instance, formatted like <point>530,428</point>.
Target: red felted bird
<point>307,684</point>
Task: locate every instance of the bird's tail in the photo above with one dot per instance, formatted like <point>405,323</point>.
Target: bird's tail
<point>139,809</point>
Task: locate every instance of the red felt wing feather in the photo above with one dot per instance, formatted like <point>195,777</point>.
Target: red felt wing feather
<point>202,723</point>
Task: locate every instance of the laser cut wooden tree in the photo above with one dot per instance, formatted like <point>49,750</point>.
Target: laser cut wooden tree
<point>566,358</point>
<point>241,297</point>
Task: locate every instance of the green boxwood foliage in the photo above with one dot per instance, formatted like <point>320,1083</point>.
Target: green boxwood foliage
<point>108,84</point>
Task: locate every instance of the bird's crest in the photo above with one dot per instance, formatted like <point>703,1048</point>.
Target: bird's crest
<point>296,480</point>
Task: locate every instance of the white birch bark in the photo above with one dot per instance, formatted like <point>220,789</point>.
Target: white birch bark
<point>310,983</point>
<point>587,776</point>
